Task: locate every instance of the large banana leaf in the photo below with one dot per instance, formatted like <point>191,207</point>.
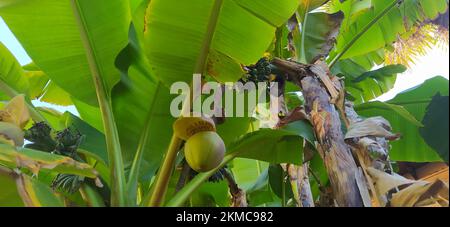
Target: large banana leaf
<point>50,34</point>
<point>411,147</point>
<point>175,31</point>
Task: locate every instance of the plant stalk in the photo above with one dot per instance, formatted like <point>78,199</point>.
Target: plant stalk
<point>362,32</point>
<point>118,182</point>
<point>162,181</point>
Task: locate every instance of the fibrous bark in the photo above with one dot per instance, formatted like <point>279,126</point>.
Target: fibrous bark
<point>319,105</point>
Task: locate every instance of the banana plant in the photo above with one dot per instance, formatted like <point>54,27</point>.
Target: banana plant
<point>115,61</point>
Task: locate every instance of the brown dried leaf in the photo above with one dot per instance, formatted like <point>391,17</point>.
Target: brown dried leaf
<point>11,134</point>
<point>16,112</point>
<point>320,69</point>
<point>374,126</point>
<point>384,182</point>
<point>422,194</point>
<point>362,186</point>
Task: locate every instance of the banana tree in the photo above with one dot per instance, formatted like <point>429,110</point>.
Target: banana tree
<point>115,62</point>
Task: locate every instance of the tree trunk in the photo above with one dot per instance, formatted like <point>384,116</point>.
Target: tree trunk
<point>341,167</point>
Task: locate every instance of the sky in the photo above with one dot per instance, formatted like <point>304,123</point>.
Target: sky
<point>434,63</point>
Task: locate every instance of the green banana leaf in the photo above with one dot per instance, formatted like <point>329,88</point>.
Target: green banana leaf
<point>274,146</point>
<point>385,31</point>
<point>411,147</point>
<point>12,79</point>
<point>364,85</point>
<point>435,131</point>
<point>50,33</point>
<point>317,35</point>
<point>174,34</point>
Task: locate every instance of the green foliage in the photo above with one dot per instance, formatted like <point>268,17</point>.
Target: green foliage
<point>9,196</point>
<point>244,31</point>
<point>114,61</point>
<point>274,146</point>
<point>21,190</point>
<point>260,193</point>
<point>316,37</point>
<point>12,79</point>
<point>364,84</point>
<point>435,131</point>
<point>58,30</point>
<point>411,147</point>
<point>279,183</point>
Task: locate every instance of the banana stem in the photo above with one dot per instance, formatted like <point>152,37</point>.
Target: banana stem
<point>162,181</point>
<point>118,182</point>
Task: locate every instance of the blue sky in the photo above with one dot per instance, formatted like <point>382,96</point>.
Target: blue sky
<point>435,63</point>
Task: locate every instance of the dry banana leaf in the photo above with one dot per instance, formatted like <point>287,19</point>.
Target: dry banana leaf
<point>416,193</point>
<point>11,134</point>
<point>423,194</point>
<point>15,112</point>
<point>384,182</point>
<point>374,126</point>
